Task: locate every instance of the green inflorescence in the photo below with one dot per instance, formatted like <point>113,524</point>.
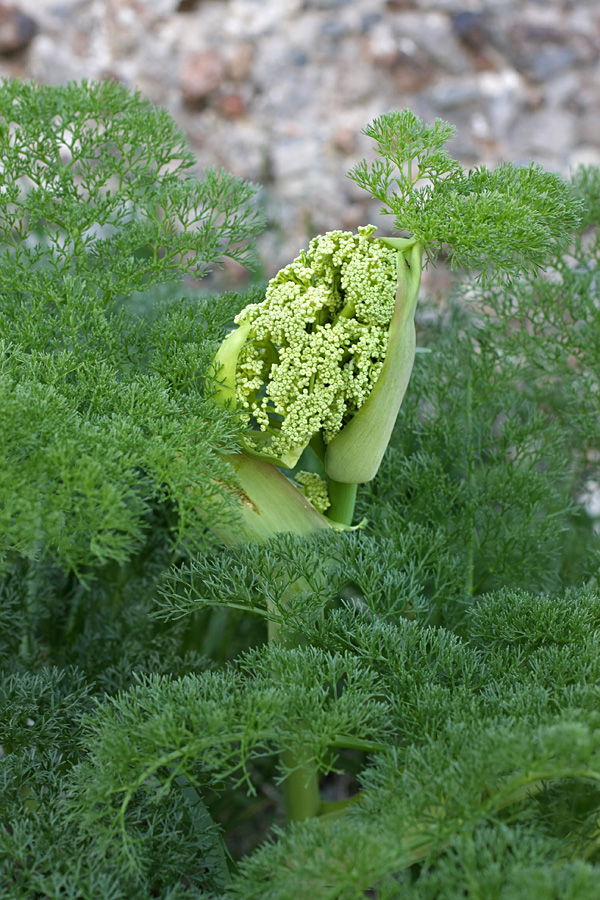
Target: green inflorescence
<point>314,489</point>
<point>318,341</point>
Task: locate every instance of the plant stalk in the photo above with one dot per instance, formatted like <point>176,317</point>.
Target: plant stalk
<point>301,787</point>
<point>470,477</point>
<point>342,498</point>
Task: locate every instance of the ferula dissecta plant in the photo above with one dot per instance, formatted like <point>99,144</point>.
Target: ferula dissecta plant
<point>319,369</point>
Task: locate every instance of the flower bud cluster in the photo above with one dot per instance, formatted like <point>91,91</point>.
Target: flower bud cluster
<point>314,489</point>
<point>318,341</point>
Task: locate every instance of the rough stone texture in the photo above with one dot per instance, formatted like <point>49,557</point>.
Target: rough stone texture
<point>16,30</point>
<point>278,90</point>
<point>201,75</point>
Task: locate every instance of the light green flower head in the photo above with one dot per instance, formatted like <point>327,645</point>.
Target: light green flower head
<point>310,353</point>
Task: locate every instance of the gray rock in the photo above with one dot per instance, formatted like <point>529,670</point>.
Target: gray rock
<point>470,28</point>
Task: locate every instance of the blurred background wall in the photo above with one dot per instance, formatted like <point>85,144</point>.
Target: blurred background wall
<point>278,90</point>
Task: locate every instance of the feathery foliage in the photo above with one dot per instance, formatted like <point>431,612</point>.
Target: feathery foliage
<point>503,222</point>
<point>438,666</point>
<point>102,411</point>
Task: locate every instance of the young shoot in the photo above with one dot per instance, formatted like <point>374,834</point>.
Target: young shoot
<point>323,362</point>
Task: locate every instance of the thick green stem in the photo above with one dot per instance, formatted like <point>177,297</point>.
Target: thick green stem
<point>470,474</point>
<point>342,498</point>
<point>301,787</point>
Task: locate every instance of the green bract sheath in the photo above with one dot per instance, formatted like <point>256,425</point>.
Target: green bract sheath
<point>269,505</point>
<point>355,454</point>
<point>225,362</point>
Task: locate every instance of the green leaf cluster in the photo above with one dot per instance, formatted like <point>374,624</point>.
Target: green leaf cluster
<point>104,411</point>
<point>502,222</point>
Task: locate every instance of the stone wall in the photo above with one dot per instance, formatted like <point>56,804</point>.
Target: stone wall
<point>278,90</point>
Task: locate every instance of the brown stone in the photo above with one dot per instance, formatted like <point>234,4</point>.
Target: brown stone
<point>232,105</point>
<point>409,72</point>
<point>201,74</point>
<point>402,4</point>
<point>16,29</point>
